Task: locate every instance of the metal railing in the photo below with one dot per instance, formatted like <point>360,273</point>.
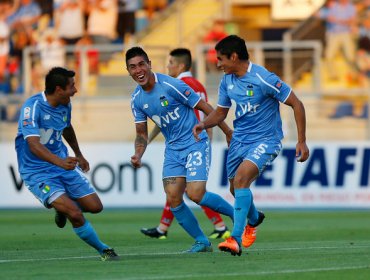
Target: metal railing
<point>114,85</point>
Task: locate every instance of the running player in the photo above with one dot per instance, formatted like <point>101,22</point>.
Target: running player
<point>55,178</point>
<point>257,136</point>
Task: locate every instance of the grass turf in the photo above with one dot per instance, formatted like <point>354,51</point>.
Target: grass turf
<point>290,245</point>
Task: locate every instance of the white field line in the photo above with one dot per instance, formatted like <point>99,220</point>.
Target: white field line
<point>180,253</point>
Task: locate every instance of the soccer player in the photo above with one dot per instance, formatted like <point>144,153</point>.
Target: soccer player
<point>55,178</point>
<point>257,136</point>
<point>170,103</point>
<point>179,66</point>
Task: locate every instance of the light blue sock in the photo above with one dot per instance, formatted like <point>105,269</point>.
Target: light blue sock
<point>88,234</point>
<point>187,220</point>
<point>243,200</point>
<point>218,204</point>
<point>253,214</point>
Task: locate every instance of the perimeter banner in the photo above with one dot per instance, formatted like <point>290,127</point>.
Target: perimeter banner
<point>337,175</point>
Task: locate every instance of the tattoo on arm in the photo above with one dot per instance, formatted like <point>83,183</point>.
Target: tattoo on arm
<point>140,141</point>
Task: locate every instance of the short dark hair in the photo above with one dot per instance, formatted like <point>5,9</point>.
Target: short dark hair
<point>136,51</point>
<point>184,55</point>
<point>233,44</point>
<point>57,76</point>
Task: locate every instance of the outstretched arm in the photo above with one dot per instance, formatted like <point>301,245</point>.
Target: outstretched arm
<point>302,151</point>
<point>141,141</point>
<point>214,117</point>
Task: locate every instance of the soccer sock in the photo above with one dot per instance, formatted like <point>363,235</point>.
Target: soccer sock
<point>253,213</point>
<point>88,234</point>
<point>187,220</point>
<point>217,203</point>
<point>243,200</point>
<point>167,215</point>
<point>213,216</point>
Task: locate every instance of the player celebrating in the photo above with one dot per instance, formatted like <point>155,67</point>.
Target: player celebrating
<point>169,102</point>
<point>179,66</point>
<point>52,176</point>
<point>256,141</point>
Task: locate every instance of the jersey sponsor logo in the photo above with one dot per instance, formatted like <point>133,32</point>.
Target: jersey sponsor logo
<point>247,108</point>
<point>278,84</point>
<point>187,93</point>
<point>46,136</point>
<point>146,106</point>
<point>47,117</point>
<point>230,87</point>
<point>27,123</point>
<point>163,121</point>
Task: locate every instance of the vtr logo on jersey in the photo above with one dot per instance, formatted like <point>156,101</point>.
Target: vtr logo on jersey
<point>46,136</point>
<point>164,120</point>
<point>247,108</point>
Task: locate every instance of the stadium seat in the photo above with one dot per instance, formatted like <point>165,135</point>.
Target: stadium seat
<point>344,109</point>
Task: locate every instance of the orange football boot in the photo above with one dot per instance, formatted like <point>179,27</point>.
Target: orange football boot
<point>230,245</point>
<point>250,232</point>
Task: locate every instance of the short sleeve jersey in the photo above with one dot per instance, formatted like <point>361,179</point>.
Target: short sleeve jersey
<point>170,104</point>
<point>256,95</point>
<point>38,118</point>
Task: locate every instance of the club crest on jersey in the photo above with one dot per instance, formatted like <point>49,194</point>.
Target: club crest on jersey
<point>46,189</point>
<point>249,91</point>
<point>164,101</point>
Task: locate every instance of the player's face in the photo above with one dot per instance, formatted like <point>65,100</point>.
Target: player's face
<point>225,64</point>
<point>64,95</point>
<point>140,70</point>
<point>174,67</point>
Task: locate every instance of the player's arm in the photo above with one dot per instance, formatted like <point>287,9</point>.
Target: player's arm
<point>302,151</point>
<point>70,136</point>
<point>141,141</point>
<point>43,153</point>
<point>214,117</point>
<point>154,133</point>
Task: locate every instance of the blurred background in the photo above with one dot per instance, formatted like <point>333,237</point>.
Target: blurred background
<point>91,36</point>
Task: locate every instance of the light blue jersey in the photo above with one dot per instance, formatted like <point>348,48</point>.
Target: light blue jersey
<point>257,95</point>
<point>38,118</point>
<point>170,105</point>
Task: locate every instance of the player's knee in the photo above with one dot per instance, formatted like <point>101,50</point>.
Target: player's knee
<point>97,208</point>
<point>240,183</point>
<point>76,218</point>
<point>195,196</point>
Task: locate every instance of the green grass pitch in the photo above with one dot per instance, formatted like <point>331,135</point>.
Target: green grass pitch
<point>290,245</point>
